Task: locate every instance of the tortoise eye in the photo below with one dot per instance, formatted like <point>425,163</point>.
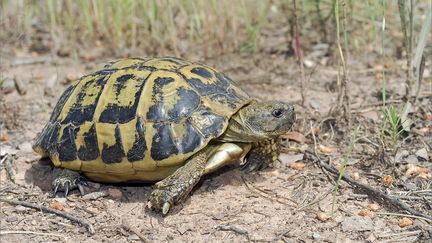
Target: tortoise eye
<point>277,113</point>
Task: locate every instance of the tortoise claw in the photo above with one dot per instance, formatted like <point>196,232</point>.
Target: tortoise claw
<point>81,188</point>
<point>66,187</point>
<point>55,190</point>
<point>252,164</point>
<point>67,181</point>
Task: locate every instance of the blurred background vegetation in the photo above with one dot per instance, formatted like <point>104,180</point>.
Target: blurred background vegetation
<point>203,27</point>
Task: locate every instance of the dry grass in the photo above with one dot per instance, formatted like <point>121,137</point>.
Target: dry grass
<point>181,27</point>
<point>152,26</point>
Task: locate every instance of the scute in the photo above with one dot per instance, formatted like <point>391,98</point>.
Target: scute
<point>113,153</point>
<point>66,146</point>
<point>139,118</point>
<point>88,150</point>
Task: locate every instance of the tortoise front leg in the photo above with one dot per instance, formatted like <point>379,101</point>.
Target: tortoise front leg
<point>178,185</point>
<point>262,154</point>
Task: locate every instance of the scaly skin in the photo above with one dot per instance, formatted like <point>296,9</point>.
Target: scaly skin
<point>67,180</point>
<point>262,154</point>
<point>178,185</point>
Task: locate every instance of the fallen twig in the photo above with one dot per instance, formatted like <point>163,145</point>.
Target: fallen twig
<point>373,193</point>
<point>29,61</point>
<point>8,165</point>
<point>405,215</point>
<point>393,235</point>
<point>53,211</point>
<point>8,232</point>
<point>410,197</point>
<point>126,226</point>
<point>324,195</point>
<point>266,194</point>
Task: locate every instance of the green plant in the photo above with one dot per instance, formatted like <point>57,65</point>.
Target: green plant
<point>391,124</point>
<point>254,22</point>
<point>2,81</point>
<point>344,165</point>
<point>394,124</point>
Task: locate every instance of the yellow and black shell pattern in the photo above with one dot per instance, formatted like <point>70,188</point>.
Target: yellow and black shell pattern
<point>139,119</point>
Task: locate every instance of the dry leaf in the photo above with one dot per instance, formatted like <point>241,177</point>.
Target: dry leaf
<point>4,137</point>
<point>57,205</point>
<point>378,76</point>
<point>387,180</point>
<point>325,149</point>
<point>424,130</point>
<point>365,213</point>
<point>427,116</point>
<point>298,166</point>
<point>316,130</point>
<point>364,181</point>
<point>416,170</point>
<point>295,136</point>
<point>374,207</point>
<point>337,164</point>
<point>387,65</point>
<point>72,76</point>
<point>323,217</point>
<point>404,222</point>
<point>355,175</point>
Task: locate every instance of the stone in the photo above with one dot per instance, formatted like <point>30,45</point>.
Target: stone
<point>422,153</point>
<point>357,224</point>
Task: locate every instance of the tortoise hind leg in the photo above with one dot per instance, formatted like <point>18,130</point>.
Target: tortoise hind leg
<point>67,180</point>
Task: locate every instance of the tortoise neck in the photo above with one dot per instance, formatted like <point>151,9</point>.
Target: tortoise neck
<point>239,130</point>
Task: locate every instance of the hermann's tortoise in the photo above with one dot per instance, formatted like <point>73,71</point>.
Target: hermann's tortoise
<point>158,119</point>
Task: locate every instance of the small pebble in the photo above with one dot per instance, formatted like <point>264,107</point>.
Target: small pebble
<point>323,217</point>
<point>374,207</point>
<point>11,219</point>
<point>133,237</point>
<point>8,86</point>
<point>115,193</point>
<point>365,213</point>
<point>26,147</point>
<point>411,159</point>
<point>93,210</point>
<point>20,208</point>
<point>404,222</point>
<point>355,175</point>
<point>387,180</point>
<point>95,195</point>
<point>422,153</point>
<point>60,200</point>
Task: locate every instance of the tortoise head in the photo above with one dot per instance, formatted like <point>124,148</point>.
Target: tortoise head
<point>260,120</point>
<point>268,119</point>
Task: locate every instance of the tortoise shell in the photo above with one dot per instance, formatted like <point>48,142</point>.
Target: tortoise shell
<point>139,119</point>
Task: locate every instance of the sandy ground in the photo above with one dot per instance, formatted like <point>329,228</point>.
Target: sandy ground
<point>292,202</point>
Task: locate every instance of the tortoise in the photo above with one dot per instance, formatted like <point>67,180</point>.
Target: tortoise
<point>164,120</point>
